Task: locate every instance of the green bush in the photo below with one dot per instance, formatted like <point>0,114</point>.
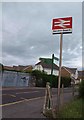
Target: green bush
<point>66,81</point>
<point>81,89</point>
<point>42,78</point>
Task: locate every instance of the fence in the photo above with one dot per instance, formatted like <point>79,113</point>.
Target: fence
<point>13,78</point>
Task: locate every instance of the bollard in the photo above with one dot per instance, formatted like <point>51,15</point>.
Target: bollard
<point>47,101</point>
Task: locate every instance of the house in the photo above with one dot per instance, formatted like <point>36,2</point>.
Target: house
<point>81,75</point>
<point>70,72</point>
<point>45,65</point>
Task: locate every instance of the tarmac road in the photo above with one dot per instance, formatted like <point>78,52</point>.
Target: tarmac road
<point>11,95</point>
<point>27,102</point>
<point>14,95</point>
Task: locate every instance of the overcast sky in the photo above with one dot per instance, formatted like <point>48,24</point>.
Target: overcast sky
<point>27,33</point>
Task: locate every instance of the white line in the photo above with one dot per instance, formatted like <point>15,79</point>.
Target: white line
<point>3,105</point>
<point>26,92</point>
<point>8,95</point>
<point>11,95</point>
<point>3,94</point>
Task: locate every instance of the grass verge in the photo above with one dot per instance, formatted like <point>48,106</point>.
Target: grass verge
<point>74,109</point>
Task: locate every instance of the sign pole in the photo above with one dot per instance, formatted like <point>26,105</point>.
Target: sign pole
<point>60,64</point>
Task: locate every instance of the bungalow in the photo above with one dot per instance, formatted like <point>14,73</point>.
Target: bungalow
<point>45,65</point>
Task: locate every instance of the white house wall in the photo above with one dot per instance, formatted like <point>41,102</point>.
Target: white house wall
<point>75,75</point>
<point>48,71</point>
<point>55,72</point>
<point>38,67</point>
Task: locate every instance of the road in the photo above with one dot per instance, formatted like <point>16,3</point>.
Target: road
<point>15,95</point>
<point>23,102</point>
<point>11,95</point>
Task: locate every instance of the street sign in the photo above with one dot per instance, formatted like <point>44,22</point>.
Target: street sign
<point>62,25</point>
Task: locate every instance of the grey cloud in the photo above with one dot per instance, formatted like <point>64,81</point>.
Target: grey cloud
<point>32,36</point>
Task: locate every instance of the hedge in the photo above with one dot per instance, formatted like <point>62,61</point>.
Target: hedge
<point>42,78</point>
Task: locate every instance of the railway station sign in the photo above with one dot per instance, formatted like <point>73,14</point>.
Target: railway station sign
<point>62,25</point>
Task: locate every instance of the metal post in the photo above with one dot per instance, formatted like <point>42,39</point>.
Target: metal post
<point>60,63</point>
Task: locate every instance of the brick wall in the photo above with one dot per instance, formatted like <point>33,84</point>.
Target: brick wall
<point>64,73</point>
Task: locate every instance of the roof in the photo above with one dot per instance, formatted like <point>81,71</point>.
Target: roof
<point>81,73</point>
<point>18,68</point>
<point>47,65</point>
<point>8,68</point>
<point>1,64</point>
<point>46,60</point>
<point>1,67</point>
<point>70,70</point>
<point>23,68</point>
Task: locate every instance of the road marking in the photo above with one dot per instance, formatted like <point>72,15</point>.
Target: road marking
<point>32,98</point>
<point>3,105</point>
<point>26,92</point>
<point>11,95</point>
<point>3,94</point>
<point>24,99</point>
<point>8,95</point>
